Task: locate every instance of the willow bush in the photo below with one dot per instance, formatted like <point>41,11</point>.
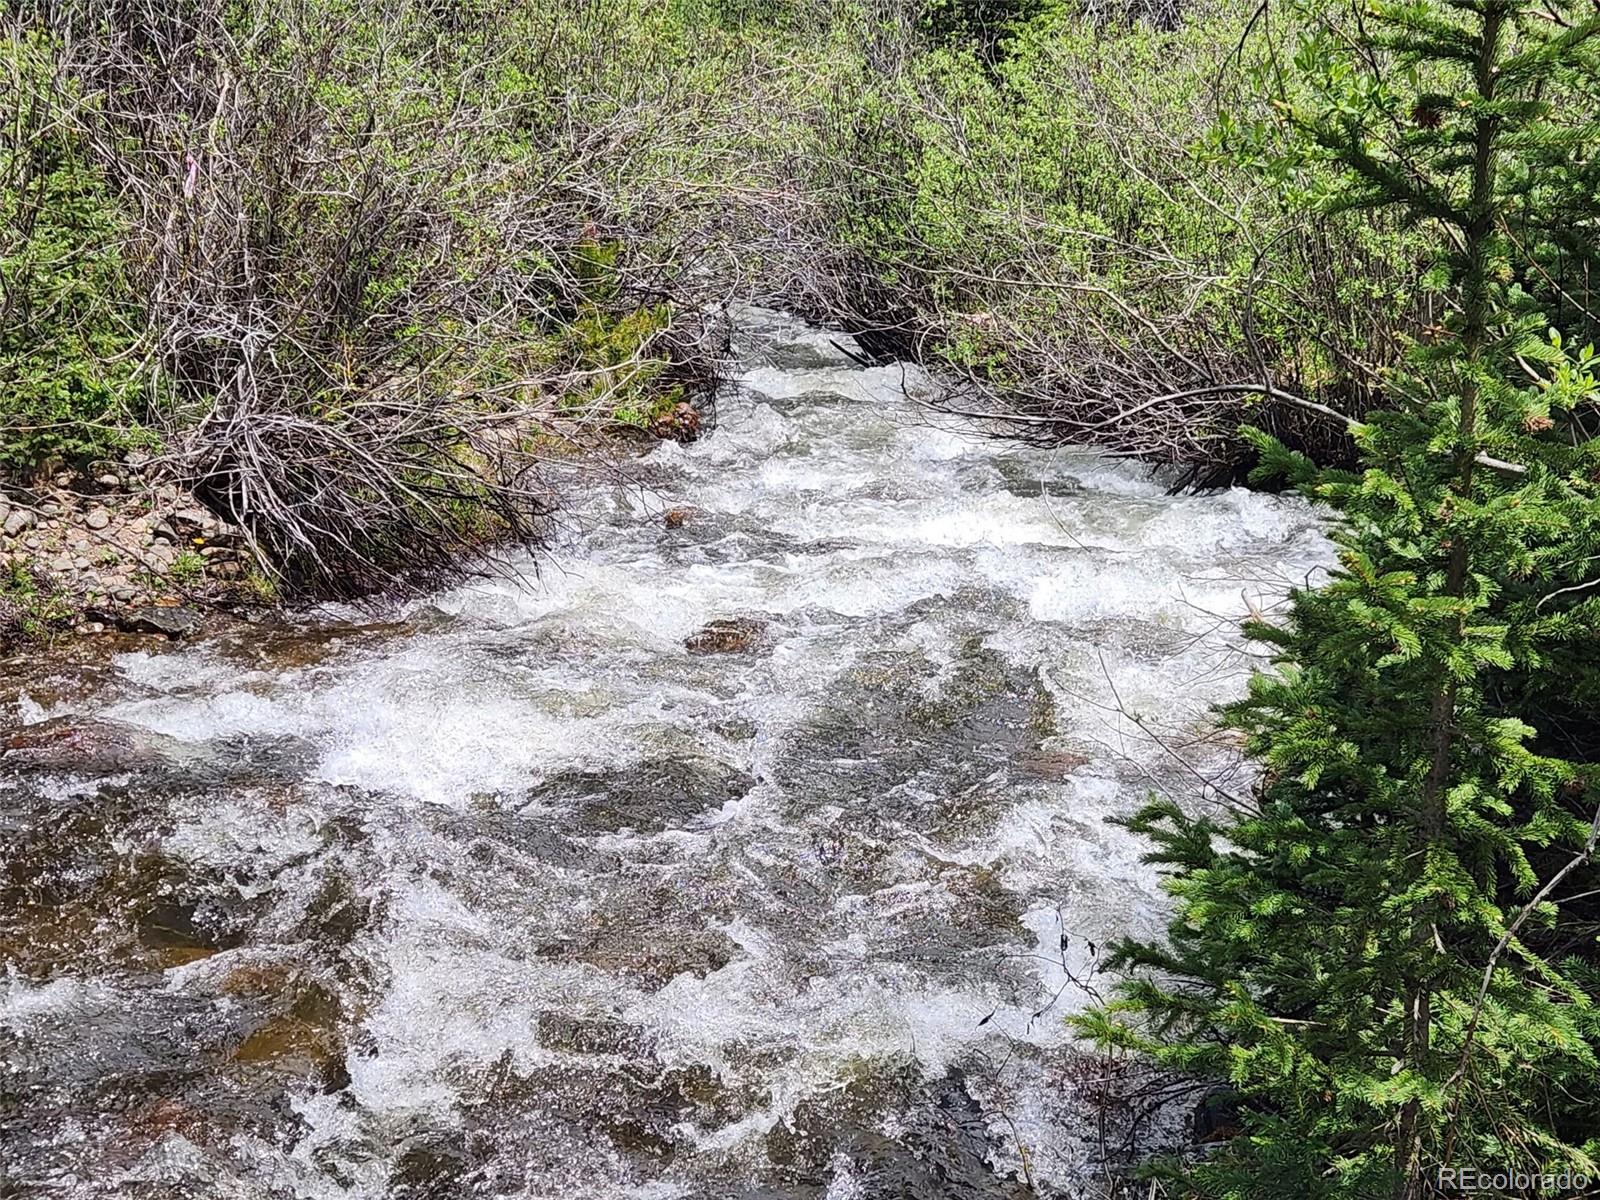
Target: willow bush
<point>1056,224</point>
<point>390,259</point>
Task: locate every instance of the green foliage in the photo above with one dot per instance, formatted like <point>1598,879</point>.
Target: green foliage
<point>979,25</point>
<point>1058,214</point>
<point>68,333</point>
<point>451,231</point>
<point>187,567</point>
<point>617,358</point>
<point>30,605</point>
<point>1389,950</point>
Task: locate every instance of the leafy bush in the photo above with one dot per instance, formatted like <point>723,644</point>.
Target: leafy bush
<point>1059,227</point>
<point>69,334</point>
<point>391,256</point>
<point>979,25</point>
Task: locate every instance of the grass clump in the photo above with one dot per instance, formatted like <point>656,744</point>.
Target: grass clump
<point>31,605</point>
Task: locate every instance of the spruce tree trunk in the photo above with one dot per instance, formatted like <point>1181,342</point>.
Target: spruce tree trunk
<point>1478,233</point>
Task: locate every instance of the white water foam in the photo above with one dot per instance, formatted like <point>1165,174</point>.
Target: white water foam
<point>851,924</point>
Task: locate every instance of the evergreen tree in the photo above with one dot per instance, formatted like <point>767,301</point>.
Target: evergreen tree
<point>1388,951</point>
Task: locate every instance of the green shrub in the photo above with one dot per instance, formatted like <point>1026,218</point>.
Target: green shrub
<point>31,605</point>
<point>69,333</point>
<point>979,25</point>
<point>1059,226</point>
<point>1387,950</point>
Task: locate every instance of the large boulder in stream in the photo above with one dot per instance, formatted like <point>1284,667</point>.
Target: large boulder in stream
<point>171,621</point>
<point>728,635</point>
<point>75,745</point>
<point>647,797</point>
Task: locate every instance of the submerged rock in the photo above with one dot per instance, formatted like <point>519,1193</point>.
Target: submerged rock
<point>591,1035</point>
<point>940,1148</point>
<point>86,746</point>
<point>905,738</point>
<point>639,954</point>
<point>728,635</point>
<point>298,1047</point>
<point>432,1167</point>
<point>648,797</point>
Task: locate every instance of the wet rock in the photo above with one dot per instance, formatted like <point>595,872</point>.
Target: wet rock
<point>643,1110</point>
<point>942,1152</point>
<point>292,1045</point>
<point>1027,481</point>
<point>649,797</point>
<point>431,1167</point>
<point>591,1035</point>
<point>940,1147</point>
<point>94,1047</point>
<point>728,635</point>
<point>801,356</point>
<point>86,885</point>
<point>182,916</point>
<point>174,621</point>
<point>167,1115</point>
<point>302,1017</point>
<point>736,729</point>
<point>681,424</point>
<point>1052,764</point>
<point>674,518</point>
<point>868,1093</point>
<point>337,913</point>
<point>173,924</point>
<point>635,951</point>
<point>895,718</point>
<point>86,746</point>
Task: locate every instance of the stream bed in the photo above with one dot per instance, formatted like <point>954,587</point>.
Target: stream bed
<point>752,844</point>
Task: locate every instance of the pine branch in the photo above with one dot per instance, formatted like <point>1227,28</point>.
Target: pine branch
<point>1527,910</point>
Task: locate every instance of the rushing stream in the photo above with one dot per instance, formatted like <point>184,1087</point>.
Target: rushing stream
<point>754,852</point>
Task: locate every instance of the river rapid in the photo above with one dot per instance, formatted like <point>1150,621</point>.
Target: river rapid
<point>541,889</point>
